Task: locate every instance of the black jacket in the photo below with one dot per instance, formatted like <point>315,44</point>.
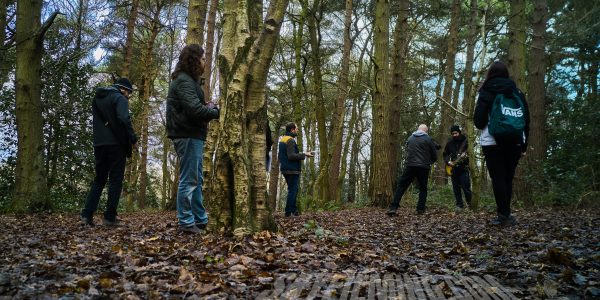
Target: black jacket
<point>453,148</point>
<point>111,120</point>
<point>289,155</point>
<point>187,114</point>
<point>421,150</point>
<point>487,94</point>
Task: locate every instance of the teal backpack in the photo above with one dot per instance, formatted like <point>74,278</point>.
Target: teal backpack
<point>507,118</point>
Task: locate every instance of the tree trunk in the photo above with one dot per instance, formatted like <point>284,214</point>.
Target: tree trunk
<point>239,182</point>
<point>536,152</point>
<point>196,18</point>
<point>446,112</point>
<point>274,175</point>
<point>209,49</point>
<point>381,177</point>
<point>337,125</point>
<point>469,99</point>
<point>516,39</point>
<point>4,62</point>
<point>401,40</point>
<point>129,41</point>
<point>298,74</point>
<point>30,192</point>
<point>321,191</point>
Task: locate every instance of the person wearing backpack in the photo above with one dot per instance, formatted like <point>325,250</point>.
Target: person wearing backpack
<point>502,114</point>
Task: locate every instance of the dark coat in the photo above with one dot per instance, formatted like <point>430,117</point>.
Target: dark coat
<point>487,94</point>
<point>420,150</point>
<point>453,148</point>
<point>111,120</point>
<point>187,114</point>
<point>289,156</point>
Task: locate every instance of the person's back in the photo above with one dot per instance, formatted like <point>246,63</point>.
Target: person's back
<point>421,150</point>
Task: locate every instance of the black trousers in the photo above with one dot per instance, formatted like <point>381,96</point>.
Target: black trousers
<point>461,183</point>
<point>110,166</point>
<point>409,174</point>
<point>502,163</point>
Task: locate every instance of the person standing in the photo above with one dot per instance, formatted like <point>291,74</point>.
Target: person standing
<point>421,153</point>
<point>187,125</point>
<point>456,157</point>
<point>290,166</point>
<point>502,153</point>
<point>113,141</point>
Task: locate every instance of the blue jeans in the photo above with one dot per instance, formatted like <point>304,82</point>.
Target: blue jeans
<point>190,207</point>
<point>293,181</point>
<point>461,182</point>
<point>110,166</point>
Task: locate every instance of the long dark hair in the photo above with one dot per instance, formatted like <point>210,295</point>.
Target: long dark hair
<point>497,69</point>
<point>189,62</point>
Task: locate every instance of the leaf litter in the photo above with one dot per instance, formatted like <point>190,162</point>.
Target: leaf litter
<point>548,254</point>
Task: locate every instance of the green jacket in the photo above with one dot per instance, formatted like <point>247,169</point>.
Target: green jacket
<point>187,113</point>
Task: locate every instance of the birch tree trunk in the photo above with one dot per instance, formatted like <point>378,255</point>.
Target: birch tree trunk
<point>30,192</point>
<point>196,20</point>
<point>381,175</point>
<point>239,181</point>
<point>337,126</point>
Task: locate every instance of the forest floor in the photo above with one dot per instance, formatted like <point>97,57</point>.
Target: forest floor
<point>549,253</point>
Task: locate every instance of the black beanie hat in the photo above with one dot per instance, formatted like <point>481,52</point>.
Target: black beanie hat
<point>124,83</point>
<point>455,128</point>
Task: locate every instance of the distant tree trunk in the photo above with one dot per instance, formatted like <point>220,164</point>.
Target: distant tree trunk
<point>469,100</point>
<point>196,19</point>
<point>536,152</point>
<point>337,126</point>
<point>298,74</point>
<point>516,40</point>
<point>30,192</point>
<point>129,41</point>
<point>321,189</point>
<point>382,177</point>
<point>239,182</point>
<point>399,66</point>
<point>4,64</point>
<point>446,112</point>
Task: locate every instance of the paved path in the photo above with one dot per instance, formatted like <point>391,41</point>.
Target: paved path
<point>384,286</point>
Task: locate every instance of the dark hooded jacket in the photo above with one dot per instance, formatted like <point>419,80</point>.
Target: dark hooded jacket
<point>487,94</point>
<point>187,114</point>
<point>111,120</point>
<point>453,148</point>
<point>420,150</point>
<point>289,156</point>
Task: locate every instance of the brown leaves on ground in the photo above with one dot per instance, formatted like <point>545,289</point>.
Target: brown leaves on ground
<point>547,254</point>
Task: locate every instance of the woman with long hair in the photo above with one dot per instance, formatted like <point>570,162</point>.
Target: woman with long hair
<point>501,153</point>
<point>188,115</point>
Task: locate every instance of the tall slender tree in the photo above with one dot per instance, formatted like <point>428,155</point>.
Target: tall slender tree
<point>381,177</point>
<point>30,179</point>
<point>196,19</point>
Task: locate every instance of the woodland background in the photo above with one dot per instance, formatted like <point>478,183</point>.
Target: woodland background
<point>357,76</point>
